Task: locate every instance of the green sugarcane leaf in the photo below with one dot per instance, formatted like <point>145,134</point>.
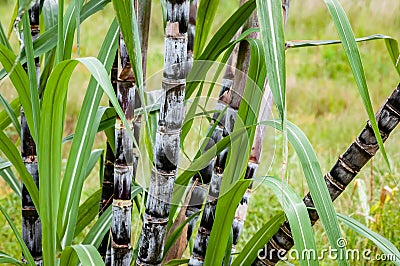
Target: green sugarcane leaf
<point>94,158</point>
<point>382,243</point>
<point>99,229</point>
<point>207,156</point>
<point>228,250</point>
<point>60,32</point>
<point>220,42</point>
<point>5,119</point>
<point>50,152</point>
<point>48,40</point>
<point>88,123</point>
<point>20,81</point>
<point>107,121</point>
<point>9,177</point>
<point>4,164</point>
<point>272,36</point>
<point>250,251</point>
<point>11,152</point>
<point>189,118</point>
<point>5,258</point>
<point>392,46</point>
<point>88,212</point>
<point>247,116</point>
<point>78,6</point>
<point>346,35</point>
<point>127,20</point>
<point>3,38</point>
<point>12,20</point>
<point>316,183</point>
<point>11,113</point>
<point>87,255</point>
<point>297,214</point>
<point>70,22</point>
<point>49,11</point>
<point>177,262</point>
<point>21,242</point>
<point>204,20</point>
<point>50,142</point>
<point>163,4</point>
<point>32,74</point>
<point>224,215</point>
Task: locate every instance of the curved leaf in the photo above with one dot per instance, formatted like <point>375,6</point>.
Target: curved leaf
<point>10,178</point>
<point>20,81</point>
<point>382,243</point>
<point>297,214</point>
<point>99,229</point>
<point>11,152</point>
<point>204,19</point>
<point>5,119</point>
<point>87,254</point>
<point>87,212</point>
<point>316,184</point>
<point>350,47</point>
<point>86,128</point>
<point>250,251</point>
<point>5,258</point>
<point>11,113</point>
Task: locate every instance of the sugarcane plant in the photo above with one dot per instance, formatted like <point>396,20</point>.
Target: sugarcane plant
<point>61,227</point>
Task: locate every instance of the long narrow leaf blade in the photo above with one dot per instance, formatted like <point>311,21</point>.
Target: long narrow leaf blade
<point>346,35</point>
<point>382,243</point>
<point>297,214</point>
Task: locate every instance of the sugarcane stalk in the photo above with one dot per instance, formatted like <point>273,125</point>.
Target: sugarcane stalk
<point>31,224</point>
<point>107,191</point>
<point>235,96</point>
<point>166,148</point>
<point>339,177</point>
<point>254,160</point>
<point>123,165</point>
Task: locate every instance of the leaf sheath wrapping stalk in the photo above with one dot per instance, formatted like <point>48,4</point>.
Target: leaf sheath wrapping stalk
<point>342,173</point>
<point>123,165</point>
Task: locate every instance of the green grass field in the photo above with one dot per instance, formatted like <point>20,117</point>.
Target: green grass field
<point>322,99</point>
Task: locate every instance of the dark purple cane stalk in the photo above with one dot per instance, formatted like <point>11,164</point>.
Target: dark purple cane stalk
<point>123,165</point>
<point>31,225</point>
<point>166,148</point>
<point>339,177</point>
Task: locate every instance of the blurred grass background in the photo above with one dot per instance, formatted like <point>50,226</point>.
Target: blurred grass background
<point>322,100</point>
